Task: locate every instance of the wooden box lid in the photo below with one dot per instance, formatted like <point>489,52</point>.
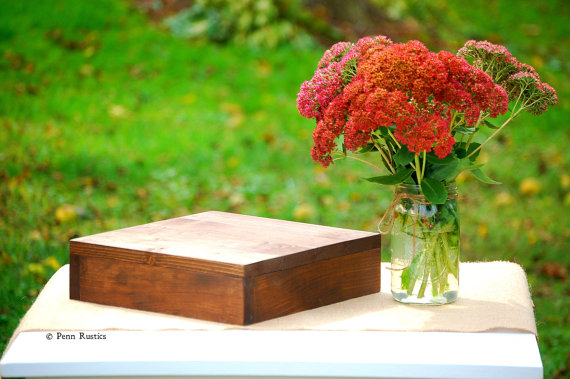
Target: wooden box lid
<point>226,243</point>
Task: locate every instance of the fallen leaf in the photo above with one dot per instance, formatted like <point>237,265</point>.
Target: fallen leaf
<point>482,230</point>
<point>355,196</point>
<point>565,181</point>
<point>235,112</point>
<point>89,51</point>
<point>16,60</point>
<point>51,262</point>
<point>6,259</point>
<point>269,138</point>
<point>554,270</point>
<point>57,176</point>
<point>112,201</point>
<point>344,206</point>
<point>303,212</point>
<point>237,199</point>
<point>233,162</point>
<point>529,187</point>
<point>504,199</point>
<point>111,186</point>
<point>142,193</point>
<point>117,111</point>
<point>328,201</point>
<point>86,70</point>
<point>323,179</point>
<point>35,235</point>
<point>36,269</point>
<point>531,238</point>
<point>65,213</point>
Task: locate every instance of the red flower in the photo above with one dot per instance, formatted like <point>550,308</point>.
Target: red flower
<point>395,85</point>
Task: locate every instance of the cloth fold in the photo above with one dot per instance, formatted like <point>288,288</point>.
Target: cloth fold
<point>492,296</point>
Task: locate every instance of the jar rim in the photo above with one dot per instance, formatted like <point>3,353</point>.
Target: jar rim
<point>450,187</point>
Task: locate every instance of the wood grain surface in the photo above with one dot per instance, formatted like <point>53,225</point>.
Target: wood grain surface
<point>224,267</point>
<point>310,286</point>
<point>220,242</point>
<point>158,289</point>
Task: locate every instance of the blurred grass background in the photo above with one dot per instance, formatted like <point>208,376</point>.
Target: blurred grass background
<point>117,113</point>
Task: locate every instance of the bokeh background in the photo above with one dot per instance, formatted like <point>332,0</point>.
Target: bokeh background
<point>116,113</point>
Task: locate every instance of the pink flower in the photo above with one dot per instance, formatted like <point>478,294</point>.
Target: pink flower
<point>335,53</point>
<point>316,94</point>
<point>360,88</point>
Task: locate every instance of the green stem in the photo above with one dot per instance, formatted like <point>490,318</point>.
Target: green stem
<point>424,165</point>
<point>418,169</point>
<point>425,278</point>
<point>394,138</point>
<point>360,160</point>
<point>493,135</point>
<point>449,263</point>
<point>436,278</point>
<point>379,148</point>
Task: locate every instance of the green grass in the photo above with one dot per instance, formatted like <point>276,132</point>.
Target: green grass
<point>106,122</point>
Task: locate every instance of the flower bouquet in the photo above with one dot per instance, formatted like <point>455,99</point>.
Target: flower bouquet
<point>419,112</point>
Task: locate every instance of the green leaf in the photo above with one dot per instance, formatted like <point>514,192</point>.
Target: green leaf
<point>384,131</point>
<point>466,164</point>
<point>461,152</point>
<point>366,149</point>
<point>472,147</point>
<point>465,130</point>
<point>449,172</point>
<point>403,156</point>
<point>442,172</point>
<point>344,149</point>
<point>434,190</point>
<point>481,176</point>
<point>432,158</point>
<point>397,178</point>
<point>491,125</point>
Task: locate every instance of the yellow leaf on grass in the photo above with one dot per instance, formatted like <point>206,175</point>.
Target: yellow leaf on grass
<point>532,238</point>
<point>35,235</point>
<point>303,212</point>
<point>237,199</point>
<point>233,162</point>
<point>328,200</point>
<point>36,269</point>
<point>344,206</point>
<point>52,262</point>
<point>117,111</point>
<point>65,213</point>
<point>529,187</point>
<point>142,193</point>
<point>86,70</point>
<point>482,230</point>
<point>112,201</point>
<point>565,181</point>
<point>504,199</point>
<point>235,112</point>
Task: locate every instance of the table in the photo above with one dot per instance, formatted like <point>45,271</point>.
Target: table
<point>346,346</point>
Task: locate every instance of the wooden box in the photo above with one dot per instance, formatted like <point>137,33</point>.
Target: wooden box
<point>224,267</point>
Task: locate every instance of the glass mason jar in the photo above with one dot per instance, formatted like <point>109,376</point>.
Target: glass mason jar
<point>424,242</point>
